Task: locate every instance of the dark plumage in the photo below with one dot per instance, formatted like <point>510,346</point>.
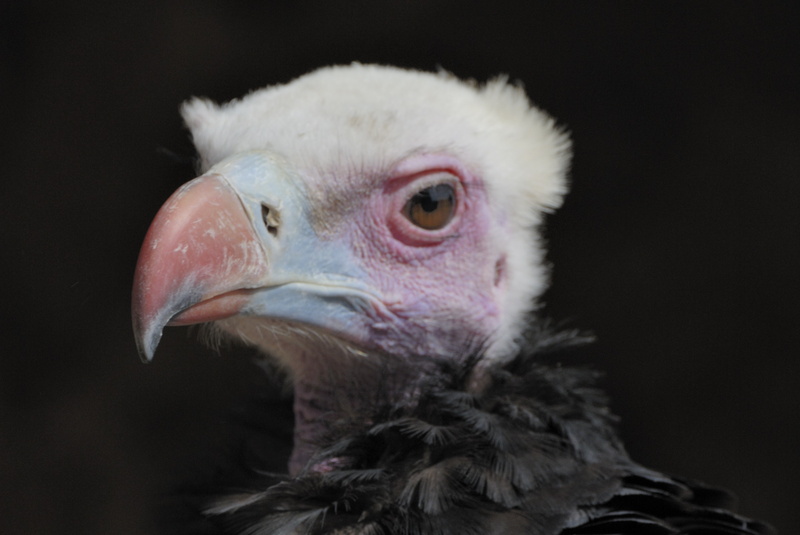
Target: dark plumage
<point>536,451</point>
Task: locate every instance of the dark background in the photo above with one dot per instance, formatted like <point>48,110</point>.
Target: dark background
<point>678,246</point>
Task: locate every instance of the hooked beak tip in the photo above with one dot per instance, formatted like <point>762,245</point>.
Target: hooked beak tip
<point>147,338</point>
<point>147,350</point>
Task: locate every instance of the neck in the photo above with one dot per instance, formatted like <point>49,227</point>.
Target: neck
<point>348,389</point>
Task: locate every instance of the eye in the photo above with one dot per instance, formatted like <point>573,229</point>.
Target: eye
<point>431,208</point>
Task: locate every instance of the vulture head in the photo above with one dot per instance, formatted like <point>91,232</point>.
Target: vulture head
<point>360,225</point>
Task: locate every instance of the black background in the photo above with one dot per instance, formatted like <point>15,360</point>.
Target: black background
<point>678,245</point>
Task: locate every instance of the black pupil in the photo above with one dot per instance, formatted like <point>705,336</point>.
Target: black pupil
<point>428,199</point>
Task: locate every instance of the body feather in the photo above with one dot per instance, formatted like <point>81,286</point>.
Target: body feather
<point>534,452</point>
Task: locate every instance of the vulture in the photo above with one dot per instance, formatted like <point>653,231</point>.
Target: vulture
<point>375,232</point>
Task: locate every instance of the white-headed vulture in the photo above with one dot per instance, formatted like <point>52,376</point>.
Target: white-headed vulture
<point>375,231</point>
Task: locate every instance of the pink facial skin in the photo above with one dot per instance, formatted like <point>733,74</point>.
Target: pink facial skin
<point>440,286</point>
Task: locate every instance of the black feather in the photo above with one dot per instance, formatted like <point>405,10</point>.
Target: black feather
<point>535,452</point>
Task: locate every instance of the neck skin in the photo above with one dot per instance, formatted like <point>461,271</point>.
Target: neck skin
<point>348,388</point>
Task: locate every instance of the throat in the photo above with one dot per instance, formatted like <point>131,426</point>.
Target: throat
<point>347,394</point>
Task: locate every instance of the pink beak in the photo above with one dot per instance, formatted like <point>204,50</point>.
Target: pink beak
<point>200,257</point>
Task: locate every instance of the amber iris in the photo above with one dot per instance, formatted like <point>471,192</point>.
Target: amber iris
<point>432,208</point>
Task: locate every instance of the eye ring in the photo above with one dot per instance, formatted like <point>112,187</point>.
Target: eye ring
<point>433,207</point>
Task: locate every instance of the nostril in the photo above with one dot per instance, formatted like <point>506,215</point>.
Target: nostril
<point>270,218</point>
